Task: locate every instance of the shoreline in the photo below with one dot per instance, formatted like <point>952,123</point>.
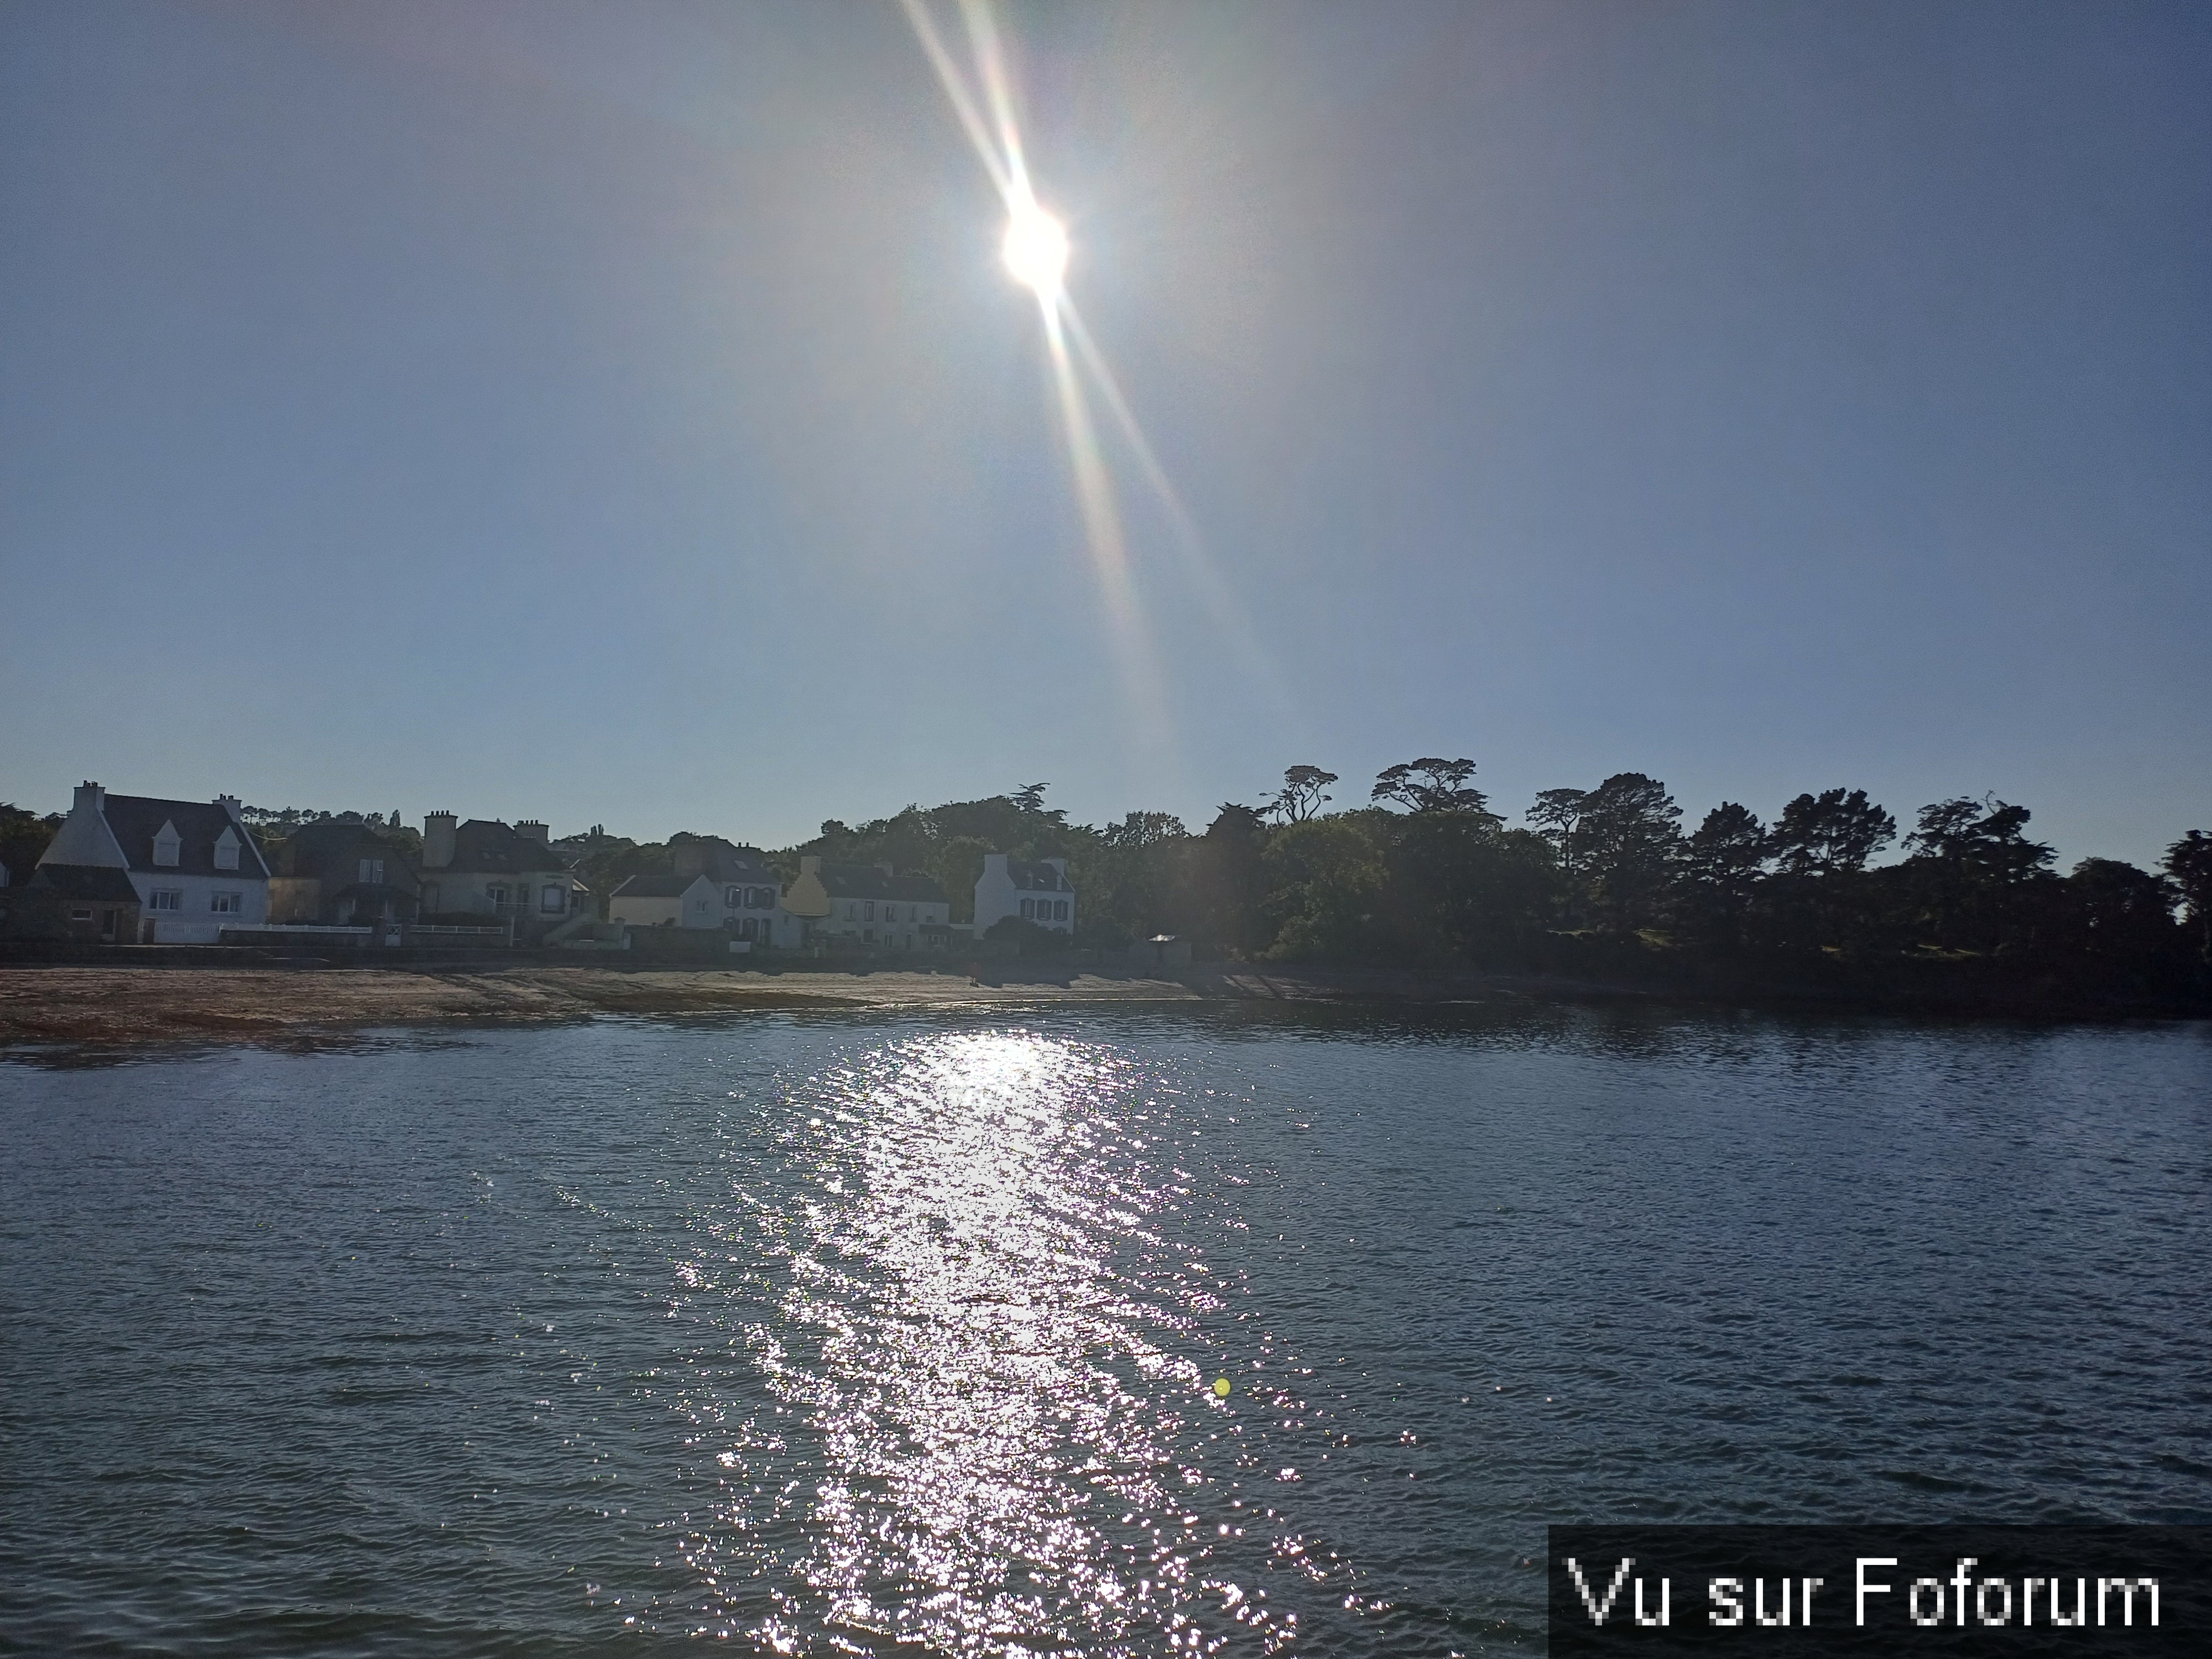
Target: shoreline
<point>99,1008</point>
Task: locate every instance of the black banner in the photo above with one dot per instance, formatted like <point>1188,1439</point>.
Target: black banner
<point>1787,1592</point>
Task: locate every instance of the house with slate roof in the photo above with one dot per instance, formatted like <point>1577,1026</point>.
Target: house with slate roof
<point>748,890</point>
<point>192,866</point>
<point>340,873</point>
<point>486,872</point>
<point>865,905</point>
<point>1035,889</point>
<point>666,901</point>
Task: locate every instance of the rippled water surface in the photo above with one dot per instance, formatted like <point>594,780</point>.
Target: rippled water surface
<point>835,1336</point>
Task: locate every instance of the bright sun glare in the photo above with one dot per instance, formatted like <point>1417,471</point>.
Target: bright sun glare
<point>1035,249</point>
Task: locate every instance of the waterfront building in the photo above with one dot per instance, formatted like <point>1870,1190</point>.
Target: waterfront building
<point>1035,889</point>
<point>489,872</point>
<point>193,867</point>
<point>869,906</point>
<point>341,872</point>
<point>666,901</point>
<point>750,896</point>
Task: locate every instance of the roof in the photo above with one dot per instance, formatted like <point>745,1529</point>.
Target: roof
<point>99,884</point>
<point>487,847</point>
<point>720,860</point>
<point>135,820</point>
<point>329,847</point>
<point>871,881</point>
<point>1035,876</point>
<point>655,887</point>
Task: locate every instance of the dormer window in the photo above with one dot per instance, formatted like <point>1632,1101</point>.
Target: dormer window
<point>225,850</point>
<point>167,845</point>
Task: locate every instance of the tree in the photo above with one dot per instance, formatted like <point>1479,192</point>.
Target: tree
<point>1986,836</point>
<point>1972,871</point>
<point>1431,785</point>
<point>2188,864</point>
<point>1558,817</point>
<point>1829,834</point>
<point>23,839</point>
<point>1225,882</point>
<point>1128,877</point>
<point>1722,863</point>
<point>1461,886</point>
<point>1301,796</point>
<point>1326,887</point>
<point>1627,827</point>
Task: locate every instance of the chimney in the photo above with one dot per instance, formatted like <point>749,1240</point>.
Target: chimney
<point>534,831</point>
<point>1059,865</point>
<point>809,864</point>
<point>89,796</point>
<point>230,803</point>
<point>994,864</point>
<point>438,838</point>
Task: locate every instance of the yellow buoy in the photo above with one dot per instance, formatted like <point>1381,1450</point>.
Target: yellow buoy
<point>1223,1387</point>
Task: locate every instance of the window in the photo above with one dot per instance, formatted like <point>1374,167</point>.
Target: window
<point>871,907</point>
<point>1060,909</point>
<point>225,904</point>
<point>497,894</point>
<point>890,913</point>
<point>552,901</point>
<point>372,873</point>
<point>760,898</point>
<point>165,898</point>
<point>734,897</point>
<point>1029,907</point>
<point>167,846</point>
<point>225,850</point>
<point>81,915</point>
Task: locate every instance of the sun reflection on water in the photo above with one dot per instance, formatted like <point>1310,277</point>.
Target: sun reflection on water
<point>984,1427</point>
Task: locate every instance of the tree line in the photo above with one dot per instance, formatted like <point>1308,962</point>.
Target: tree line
<point>1425,873</point>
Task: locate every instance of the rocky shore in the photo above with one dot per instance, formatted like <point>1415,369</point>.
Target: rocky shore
<point>65,1006</point>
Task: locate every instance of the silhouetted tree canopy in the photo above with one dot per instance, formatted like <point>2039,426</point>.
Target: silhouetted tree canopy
<point>1431,785</point>
<point>1302,794</point>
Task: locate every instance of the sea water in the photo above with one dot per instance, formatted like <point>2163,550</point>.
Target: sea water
<point>837,1334</point>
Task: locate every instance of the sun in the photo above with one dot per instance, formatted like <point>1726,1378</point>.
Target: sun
<point>1035,249</point>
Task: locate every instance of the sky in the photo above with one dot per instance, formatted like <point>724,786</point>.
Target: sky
<point>620,413</point>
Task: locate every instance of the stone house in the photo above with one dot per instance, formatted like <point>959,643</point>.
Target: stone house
<point>487,873</point>
<point>84,903</point>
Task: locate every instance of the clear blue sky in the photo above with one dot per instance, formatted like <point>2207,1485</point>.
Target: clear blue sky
<point>617,413</point>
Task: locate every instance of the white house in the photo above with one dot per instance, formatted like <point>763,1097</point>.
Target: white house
<point>666,901</point>
<point>194,866</point>
<point>749,897</point>
<point>1037,890</point>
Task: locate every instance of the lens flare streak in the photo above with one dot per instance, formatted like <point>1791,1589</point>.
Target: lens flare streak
<point>1036,255</point>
